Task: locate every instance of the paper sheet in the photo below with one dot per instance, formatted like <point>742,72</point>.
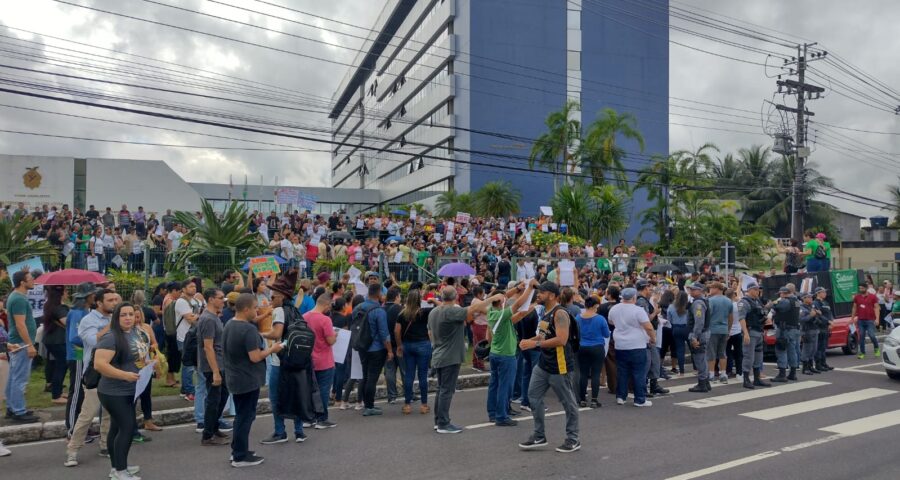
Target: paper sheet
<point>566,273</point>
<point>526,305</point>
<point>356,370</point>
<point>341,345</point>
<point>659,336</point>
<point>563,247</point>
<point>547,211</point>
<point>144,377</point>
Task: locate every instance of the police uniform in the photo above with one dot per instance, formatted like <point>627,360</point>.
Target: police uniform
<point>750,310</point>
<point>825,317</point>
<point>698,329</point>
<point>809,326</point>
<point>787,336</point>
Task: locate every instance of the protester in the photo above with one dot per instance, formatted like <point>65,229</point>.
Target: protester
<point>411,334</point>
<point>594,330</point>
<point>633,333</point>
<point>501,334</point>
<point>210,362</point>
<point>21,349</point>
<point>322,355</point>
<point>379,350</point>
<point>865,314</point>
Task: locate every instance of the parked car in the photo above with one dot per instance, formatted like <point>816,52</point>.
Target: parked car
<point>890,354</point>
<point>843,336</point>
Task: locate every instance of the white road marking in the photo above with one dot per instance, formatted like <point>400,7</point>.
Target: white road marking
<point>817,404</point>
<point>863,366</point>
<point>725,466</point>
<point>750,395</point>
<point>853,370</point>
<point>523,418</point>
<point>865,425</point>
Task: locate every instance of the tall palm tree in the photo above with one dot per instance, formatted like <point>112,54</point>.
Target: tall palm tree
<point>601,153</point>
<point>497,199</point>
<point>611,212</point>
<point>894,207</point>
<point>657,179</point>
<point>556,149</point>
<point>594,212</point>
<point>698,162</point>
<point>728,172</point>
<point>573,204</point>
<point>756,165</point>
<point>450,202</point>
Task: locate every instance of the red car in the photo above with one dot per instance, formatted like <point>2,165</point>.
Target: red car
<point>840,338</point>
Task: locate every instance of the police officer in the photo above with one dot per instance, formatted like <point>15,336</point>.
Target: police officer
<point>809,326</point>
<point>698,336</point>
<point>643,288</point>
<point>787,334</point>
<point>825,317</point>
<point>752,317</point>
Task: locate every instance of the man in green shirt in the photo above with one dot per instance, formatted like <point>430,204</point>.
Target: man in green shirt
<point>502,335</point>
<point>22,331</point>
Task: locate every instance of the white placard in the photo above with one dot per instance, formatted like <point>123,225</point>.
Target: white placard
<point>398,257</point>
<point>545,228</point>
<point>547,211</point>
<point>360,224</point>
<point>566,273</point>
<point>356,370</point>
<point>413,214</point>
<point>526,305</point>
<point>341,344</point>
<point>354,273</point>
<point>807,285</point>
<point>144,376</point>
<point>462,217</point>
<point>746,280</point>
<point>563,247</point>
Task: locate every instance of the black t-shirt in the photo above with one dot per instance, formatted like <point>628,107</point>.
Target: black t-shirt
<point>149,315</point>
<point>418,331</point>
<point>527,327</point>
<point>272,222</point>
<point>504,269</point>
<point>242,375</point>
<point>393,311</point>
<point>92,214</point>
<point>556,360</point>
<point>333,223</point>
<point>339,321</point>
<point>604,310</point>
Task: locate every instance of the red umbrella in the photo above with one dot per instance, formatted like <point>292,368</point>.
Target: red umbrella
<point>70,276</point>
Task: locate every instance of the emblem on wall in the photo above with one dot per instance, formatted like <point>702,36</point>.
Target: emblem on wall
<point>31,179</point>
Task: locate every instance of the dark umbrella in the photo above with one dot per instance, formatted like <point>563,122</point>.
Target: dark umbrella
<point>345,236</point>
<point>663,268</point>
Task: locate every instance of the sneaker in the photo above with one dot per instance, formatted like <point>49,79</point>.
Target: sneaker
<point>506,423</point>
<point>323,424</point>
<point>877,352</point>
<point>103,453</point>
<point>215,441</point>
<point>620,401</point>
<point>358,406</point>
<point>569,446</point>
<point>370,412</point>
<point>249,452</point>
<point>251,460</point>
<point>221,434</point>
<point>723,379</point>
<point>344,406</point>
<point>141,438</point>
<point>449,428</point>
<point>130,470</point>
<point>123,475</point>
<point>392,401</point>
<point>595,404</point>
<point>71,460</point>
<point>25,418</point>
<point>274,438</point>
<point>533,442</point>
<point>526,408</point>
<point>300,437</point>
<point>583,404</point>
<point>647,403</point>
<point>225,426</point>
<point>199,428</point>
<point>5,452</point>
<point>517,400</point>
<point>861,356</point>
<point>308,424</point>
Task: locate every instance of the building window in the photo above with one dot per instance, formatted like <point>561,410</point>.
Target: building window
<point>573,60</point>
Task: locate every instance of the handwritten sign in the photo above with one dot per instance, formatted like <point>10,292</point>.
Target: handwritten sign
<point>32,264</point>
<point>547,211</point>
<point>264,266</point>
<point>462,217</point>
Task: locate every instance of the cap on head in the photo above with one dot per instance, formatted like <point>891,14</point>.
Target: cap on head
<point>629,294</point>
<point>820,290</point>
<point>697,286</point>
<point>805,295</point>
<point>549,287</point>
<point>752,286</point>
<point>641,284</point>
<point>820,236</point>
<point>784,290</point>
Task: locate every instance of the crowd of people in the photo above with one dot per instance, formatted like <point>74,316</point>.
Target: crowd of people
<point>572,318</point>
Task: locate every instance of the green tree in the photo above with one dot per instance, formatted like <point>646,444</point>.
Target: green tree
<point>450,202</point>
<point>218,242</point>
<point>556,149</point>
<point>894,207</point>
<point>698,162</point>
<point>658,179</point>
<point>497,199</point>
<point>601,152</point>
<point>16,243</point>
<point>594,212</point>
<point>728,173</point>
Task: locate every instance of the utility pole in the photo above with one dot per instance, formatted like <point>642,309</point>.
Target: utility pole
<point>799,150</point>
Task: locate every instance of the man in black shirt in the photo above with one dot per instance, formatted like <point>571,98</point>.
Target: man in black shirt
<point>272,222</point>
<point>392,308</point>
<point>92,214</point>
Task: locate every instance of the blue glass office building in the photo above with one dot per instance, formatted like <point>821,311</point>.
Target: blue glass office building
<point>446,93</point>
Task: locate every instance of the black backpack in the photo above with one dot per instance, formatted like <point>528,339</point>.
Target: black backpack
<point>820,253</point>
<point>191,347</point>
<point>360,332</point>
<point>574,333</point>
<point>299,341</point>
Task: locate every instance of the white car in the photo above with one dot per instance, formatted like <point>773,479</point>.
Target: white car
<point>890,354</point>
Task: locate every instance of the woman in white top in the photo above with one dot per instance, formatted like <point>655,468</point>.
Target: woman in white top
<point>97,249</point>
<point>734,349</point>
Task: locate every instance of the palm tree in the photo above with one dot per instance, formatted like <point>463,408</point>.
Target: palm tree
<point>556,149</point>
<point>592,212</point>
<point>658,178</point>
<point>445,204</point>
<point>600,153</point>
<point>16,242</point>
<point>218,242</point>
<point>698,162</point>
<point>756,165</point>
<point>894,207</point>
<point>611,211</point>
<point>727,173</point>
<point>497,199</point>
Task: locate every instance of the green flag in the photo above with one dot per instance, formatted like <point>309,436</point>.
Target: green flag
<point>844,284</point>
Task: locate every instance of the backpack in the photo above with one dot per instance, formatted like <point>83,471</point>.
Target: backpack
<point>169,319</point>
<point>191,347</point>
<point>574,334</point>
<point>360,331</point>
<point>820,253</point>
<point>299,341</point>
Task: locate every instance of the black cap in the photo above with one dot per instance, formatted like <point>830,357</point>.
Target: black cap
<point>697,286</point>
<point>641,284</point>
<point>820,290</point>
<point>784,290</point>
<point>549,287</point>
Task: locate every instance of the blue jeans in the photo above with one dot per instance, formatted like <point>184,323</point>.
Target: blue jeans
<point>864,327</point>
<point>529,361</point>
<point>503,373</point>
<point>631,365</point>
<point>199,398</point>
<point>19,373</point>
<point>274,372</point>
<point>324,378</point>
<point>417,356</point>
<point>790,355</point>
<point>187,374</point>
<point>680,338</point>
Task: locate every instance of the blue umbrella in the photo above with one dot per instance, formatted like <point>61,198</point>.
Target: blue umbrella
<point>392,238</point>
<point>456,269</point>
<point>279,259</point>
<point>399,212</point>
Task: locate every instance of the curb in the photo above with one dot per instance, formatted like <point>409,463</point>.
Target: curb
<point>57,429</point>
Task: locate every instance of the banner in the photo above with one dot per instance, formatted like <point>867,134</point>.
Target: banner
<point>307,201</point>
<point>844,285</point>
<point>33,264</point>
<point>462,217</point>
<point>264,266</point>
<point>287,196</point>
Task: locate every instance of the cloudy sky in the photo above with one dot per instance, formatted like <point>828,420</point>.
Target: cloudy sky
<point>862,33</point>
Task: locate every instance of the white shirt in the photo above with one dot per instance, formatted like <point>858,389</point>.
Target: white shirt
<point>182,308</point>
<point>287,249</point>
<point>629,319</point>
<point>277,317</point>
<point>175,238</point>
<point>98,245</point>
<point>736,324</point>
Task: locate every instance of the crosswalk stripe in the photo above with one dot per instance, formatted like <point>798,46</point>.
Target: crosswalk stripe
<point>856,370</point>
<point>865,425</point>
<point>817,404</point>
<point>751,394</point>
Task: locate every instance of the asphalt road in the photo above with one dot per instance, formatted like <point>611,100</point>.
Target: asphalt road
<point>838,425</point>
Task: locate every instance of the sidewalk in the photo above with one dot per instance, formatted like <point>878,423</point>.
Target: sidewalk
<point>171,410</point>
